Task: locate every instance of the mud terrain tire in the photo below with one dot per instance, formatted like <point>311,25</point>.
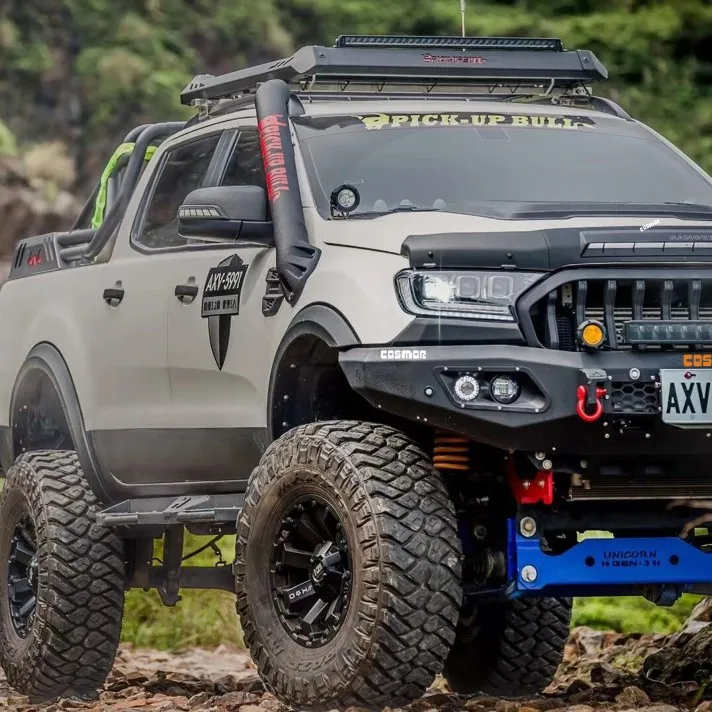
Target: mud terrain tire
<point>71,639</point>
<point>405,567</point>
<point>511,648</point>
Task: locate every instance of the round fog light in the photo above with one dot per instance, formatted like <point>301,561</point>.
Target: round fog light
<point>504,389</point>
<point>467,388</point>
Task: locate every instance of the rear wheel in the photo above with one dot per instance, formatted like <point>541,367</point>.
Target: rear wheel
<point>61,580</point>
<point>347,567</point>
<point>511,648</point>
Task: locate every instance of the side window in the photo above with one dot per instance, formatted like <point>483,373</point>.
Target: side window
<point>245,164</point>
<point>183,171</point>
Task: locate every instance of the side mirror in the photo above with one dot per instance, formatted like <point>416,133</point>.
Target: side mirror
<point>226,213</point>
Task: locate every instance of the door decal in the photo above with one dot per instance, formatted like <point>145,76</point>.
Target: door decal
<point>221,301</point>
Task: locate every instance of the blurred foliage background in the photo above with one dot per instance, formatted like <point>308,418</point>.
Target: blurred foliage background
<point>76,75</point>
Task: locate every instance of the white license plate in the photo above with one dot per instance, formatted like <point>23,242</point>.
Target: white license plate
<point>686,396</point>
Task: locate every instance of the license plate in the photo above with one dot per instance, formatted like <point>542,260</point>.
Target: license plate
<point>686,397</point>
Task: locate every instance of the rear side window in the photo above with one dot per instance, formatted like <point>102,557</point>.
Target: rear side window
<point>184,169</point>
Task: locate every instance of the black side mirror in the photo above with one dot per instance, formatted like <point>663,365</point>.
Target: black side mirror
<point>226,213</point>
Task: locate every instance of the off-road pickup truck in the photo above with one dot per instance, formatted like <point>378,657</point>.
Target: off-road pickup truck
<point>410,316</point>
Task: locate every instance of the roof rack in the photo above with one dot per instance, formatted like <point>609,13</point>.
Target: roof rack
<point>427,62</point>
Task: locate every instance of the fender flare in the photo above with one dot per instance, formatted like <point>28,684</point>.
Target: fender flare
<point>47,359</point>
<point>321,321</point>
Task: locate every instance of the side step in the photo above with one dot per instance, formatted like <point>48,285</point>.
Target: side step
<point>162,511</point>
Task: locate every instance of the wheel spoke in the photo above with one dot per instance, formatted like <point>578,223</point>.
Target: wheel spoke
<point>297,558</point>
<point>28,607</point>
<point>19,587</point>
<point>296,594</point>
<point>315,612</point>
<point>307,531</point>
<point>22,553</point>
<point>321,517</point>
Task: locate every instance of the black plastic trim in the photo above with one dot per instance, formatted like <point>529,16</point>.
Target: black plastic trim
<point>160,462</point>
<point>426,331</point>
<point>46,358</point>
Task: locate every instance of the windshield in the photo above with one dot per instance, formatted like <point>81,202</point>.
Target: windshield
<point>501,165</point>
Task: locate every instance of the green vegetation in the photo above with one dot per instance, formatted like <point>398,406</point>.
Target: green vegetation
<point>76,75</point>
<point>201,618</point>
<point>85,71</point>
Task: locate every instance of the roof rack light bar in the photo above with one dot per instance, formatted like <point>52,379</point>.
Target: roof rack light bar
<point>436,65</point>
<point>551,44</point>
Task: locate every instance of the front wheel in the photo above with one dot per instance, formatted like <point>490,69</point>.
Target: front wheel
<point>347,567</point>
<point>61,580</point>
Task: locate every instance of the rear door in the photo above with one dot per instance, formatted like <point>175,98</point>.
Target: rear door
<point>130,422</point>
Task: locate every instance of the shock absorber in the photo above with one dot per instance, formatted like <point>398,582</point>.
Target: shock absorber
<point>451,452</point>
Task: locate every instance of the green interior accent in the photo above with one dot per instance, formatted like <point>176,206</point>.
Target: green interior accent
<point>100,204</point>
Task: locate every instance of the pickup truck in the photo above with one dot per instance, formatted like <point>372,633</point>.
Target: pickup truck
<point>410,317</point>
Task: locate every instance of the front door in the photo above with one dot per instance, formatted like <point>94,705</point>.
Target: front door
<point>218,343</point>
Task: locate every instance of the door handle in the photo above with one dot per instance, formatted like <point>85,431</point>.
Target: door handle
<point>113,295</point>
<point>186,293</point>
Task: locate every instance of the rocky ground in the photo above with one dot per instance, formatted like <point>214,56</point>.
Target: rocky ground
<point>600,671</point>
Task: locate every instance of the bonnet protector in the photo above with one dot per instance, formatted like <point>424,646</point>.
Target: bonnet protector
<point>296,258</point>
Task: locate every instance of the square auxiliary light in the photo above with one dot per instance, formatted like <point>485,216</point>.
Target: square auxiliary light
<point>648,331</point>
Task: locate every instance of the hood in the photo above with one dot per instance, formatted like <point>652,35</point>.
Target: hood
<point>453,240</point>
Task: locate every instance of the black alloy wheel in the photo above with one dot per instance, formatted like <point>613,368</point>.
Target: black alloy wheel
<point>22,576</point>
<point>311,574</point>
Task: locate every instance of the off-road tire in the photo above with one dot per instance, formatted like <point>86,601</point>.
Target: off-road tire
<point>406,567</point>
<point>72,643</point>
<point>511,648</point>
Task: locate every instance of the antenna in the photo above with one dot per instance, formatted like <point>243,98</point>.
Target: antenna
<point>463,9</point>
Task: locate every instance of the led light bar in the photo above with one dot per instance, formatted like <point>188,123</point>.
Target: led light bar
<point>551,44</point>
<point>668,333</point>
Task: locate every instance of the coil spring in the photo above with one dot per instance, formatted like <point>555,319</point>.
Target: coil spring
<point>451,452</point>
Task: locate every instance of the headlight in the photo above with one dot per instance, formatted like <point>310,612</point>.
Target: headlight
<point>466,295</point>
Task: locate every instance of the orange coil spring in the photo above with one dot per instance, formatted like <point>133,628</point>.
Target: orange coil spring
<point>451,452</point>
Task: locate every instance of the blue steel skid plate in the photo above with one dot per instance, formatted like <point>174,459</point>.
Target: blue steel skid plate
<point>607,562</point>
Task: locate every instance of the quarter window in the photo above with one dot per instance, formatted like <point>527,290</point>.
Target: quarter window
<point>245,164</point>
<point>184,169</point>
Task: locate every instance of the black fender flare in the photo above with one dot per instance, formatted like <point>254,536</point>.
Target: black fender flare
<point>321,321</point>
<point>47,359</point>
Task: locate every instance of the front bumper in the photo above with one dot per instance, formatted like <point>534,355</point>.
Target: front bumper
<point>417,384</point>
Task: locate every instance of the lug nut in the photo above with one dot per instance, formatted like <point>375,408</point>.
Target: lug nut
<point>540,455</point>
<point>526,484</point>
<point>547,465</point>
<point>527,527</point>
<point>529,574</point>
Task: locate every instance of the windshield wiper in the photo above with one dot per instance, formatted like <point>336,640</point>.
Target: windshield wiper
<point>399,209</point>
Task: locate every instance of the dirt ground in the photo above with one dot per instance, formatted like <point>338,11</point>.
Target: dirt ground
<point>601,671</point>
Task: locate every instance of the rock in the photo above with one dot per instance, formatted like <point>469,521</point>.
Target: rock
<point>506,706</point>
<point>250,708</point>
<point>605,673</point>
<point>233,700</point>
<point>632,696</point>
<point>690,660</point>
<point>700,617</point>
<point>578,685</point>
<point>130,704</point>
<point>579,708</point>
<point>704,707</point>
<point>200,699</point>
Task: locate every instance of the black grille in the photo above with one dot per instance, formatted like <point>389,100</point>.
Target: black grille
<point>634,398</point>
<point>614,302</point>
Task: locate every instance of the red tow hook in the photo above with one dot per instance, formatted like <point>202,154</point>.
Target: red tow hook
<point>582,397</point>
